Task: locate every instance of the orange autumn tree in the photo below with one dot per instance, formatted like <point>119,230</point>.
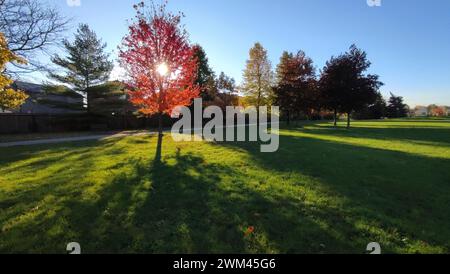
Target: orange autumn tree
<point>9,98</point>
<point>159,62</point>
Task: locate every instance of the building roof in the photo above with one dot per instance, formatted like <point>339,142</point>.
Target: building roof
<point>41,102</point>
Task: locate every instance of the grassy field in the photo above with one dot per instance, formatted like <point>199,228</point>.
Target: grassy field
<point>326,190</point>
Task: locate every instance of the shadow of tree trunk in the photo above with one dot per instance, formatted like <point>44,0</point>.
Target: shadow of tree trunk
<point>159,149</point>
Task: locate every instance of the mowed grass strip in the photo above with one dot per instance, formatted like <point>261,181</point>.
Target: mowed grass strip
<point>327,190</point>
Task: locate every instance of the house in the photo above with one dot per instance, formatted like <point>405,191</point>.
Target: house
<point>44,101</point>
<point>438,111</point>
<point>420,111</point>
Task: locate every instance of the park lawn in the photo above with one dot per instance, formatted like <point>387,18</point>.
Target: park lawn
<point>326,190</point>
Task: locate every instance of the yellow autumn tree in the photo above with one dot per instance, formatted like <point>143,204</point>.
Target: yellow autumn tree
<point>9,98</point>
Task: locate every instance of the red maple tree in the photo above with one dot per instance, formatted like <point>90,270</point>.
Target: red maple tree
<point>159,62</point>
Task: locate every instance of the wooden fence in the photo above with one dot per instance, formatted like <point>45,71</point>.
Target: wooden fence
<point>47,123</point>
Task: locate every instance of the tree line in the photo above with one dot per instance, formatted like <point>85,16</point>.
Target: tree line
<point>342,86</point>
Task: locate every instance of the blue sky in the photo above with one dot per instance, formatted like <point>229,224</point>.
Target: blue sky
<point>408,41</point>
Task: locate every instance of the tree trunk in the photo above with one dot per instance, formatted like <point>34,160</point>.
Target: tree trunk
<point>259,102</point>
<point>288,118</point>
<point>88,103</point>
<point>160,137</point>
<point>348,120</point>
<point>257,110</point>
<point>160,124</point>
<point>88,99</point>
<point>335,117</point>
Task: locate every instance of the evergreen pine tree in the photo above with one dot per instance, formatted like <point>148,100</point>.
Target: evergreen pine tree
<point>86,64</point>
<point>396,108</point>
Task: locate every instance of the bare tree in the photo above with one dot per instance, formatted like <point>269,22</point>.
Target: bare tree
<point>31,28</point>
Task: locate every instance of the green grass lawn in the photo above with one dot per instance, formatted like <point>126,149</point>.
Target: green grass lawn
<point>326,190</point>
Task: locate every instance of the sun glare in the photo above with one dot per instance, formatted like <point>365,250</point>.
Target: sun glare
<point>162,69</point>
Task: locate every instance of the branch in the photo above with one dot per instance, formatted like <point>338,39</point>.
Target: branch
<point>31,28</point>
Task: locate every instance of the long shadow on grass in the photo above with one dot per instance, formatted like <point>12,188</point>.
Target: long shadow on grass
<point>425,135</point>
<point>82,153</point>
<point>402,194</point>
<point>24,212</point>
<point>183,206</point>
<point>187,205</point>
<point>55,153</point>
